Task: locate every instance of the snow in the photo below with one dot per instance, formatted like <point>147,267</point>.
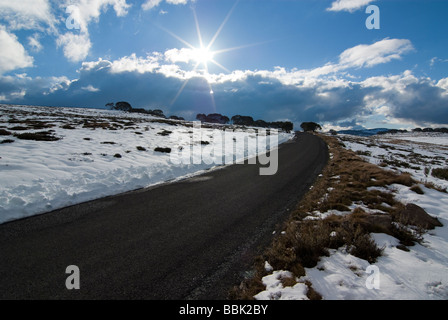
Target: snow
<point>276,291</point>
<point>432,138</point>
<point>340,276</point>
<point>416,154</point>
<point>419,274</point>
<point>268,267</point>
<point>41,176</point>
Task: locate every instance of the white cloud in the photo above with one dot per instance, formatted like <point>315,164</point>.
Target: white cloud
<point>326,78</point>
<point>120,7</point>
<point>27,14</point>
<point>33,42</point>
<point>394,84</point>
<point>90,10</point>
<point>12,54</point>
<point>21,86</point>
<point>177,1</point>
<point>90,88</point>
<point>435,60</point>
<point>76,47</point>
<point>149,4</point>
<point>90,66</point>
<point>348,5</point>
<point>57,83</point>
<point>370,55</point>
<point>405,96</point>
<point>133,63</point>
<point>329,75</point>
<point>38,15</point>
<point>443,84</point>
<point>180,55</point>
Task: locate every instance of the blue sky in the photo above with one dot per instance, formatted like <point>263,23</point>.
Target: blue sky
<point>297,60</point>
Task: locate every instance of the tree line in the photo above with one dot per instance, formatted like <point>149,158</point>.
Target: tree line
<point>245,121</point>
<point>393,131</point>
<point>126,106</point>
<point>211,118</point>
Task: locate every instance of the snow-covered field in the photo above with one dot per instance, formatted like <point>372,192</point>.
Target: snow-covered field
<point>98,153</point>
<point>416,153</point>
<point>421,273</point>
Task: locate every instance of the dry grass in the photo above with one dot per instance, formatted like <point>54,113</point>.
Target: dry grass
<point>38,136</point>
<point>68,127</point>
<point>30,124</point>
<point>416,188</point>
<point>441,173</point>
<point>94,124</point>
<point>165,133</point>
<point>345,180</point>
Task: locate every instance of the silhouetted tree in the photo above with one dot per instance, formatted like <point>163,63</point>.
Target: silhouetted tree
<point>176,118</point>
<point>213,118</point>
<point>282,125</point>
<point>310,126</point>
<point>201,117</point>
<point>261,124</point>
<point>243,120</point>
<point>287,126</point>
<point>157,113</point>
<point>123,106</point>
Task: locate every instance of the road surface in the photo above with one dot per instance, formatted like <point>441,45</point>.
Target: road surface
<point>192,239</point>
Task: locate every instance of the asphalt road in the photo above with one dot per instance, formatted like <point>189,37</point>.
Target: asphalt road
<point>191,239</point>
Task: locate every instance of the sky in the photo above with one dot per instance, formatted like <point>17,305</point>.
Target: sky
<point>341,63</point>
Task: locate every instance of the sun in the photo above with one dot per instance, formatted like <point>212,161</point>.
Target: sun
<point>203,55</point>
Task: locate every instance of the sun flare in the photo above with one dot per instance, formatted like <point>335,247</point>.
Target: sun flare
<point>203,55</point>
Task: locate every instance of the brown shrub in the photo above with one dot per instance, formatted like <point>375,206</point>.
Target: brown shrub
<point>416,188</point>
<point>441,173</point>
<point>38,136</point>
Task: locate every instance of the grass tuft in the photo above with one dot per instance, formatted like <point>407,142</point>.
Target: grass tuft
<point>4,132</point>
<point>416,188</point>
<point>163,150</point>
<point>441,173</point>
<point>38,136</point>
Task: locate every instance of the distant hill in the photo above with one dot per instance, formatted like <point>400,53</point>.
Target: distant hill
<point>363,132</point>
